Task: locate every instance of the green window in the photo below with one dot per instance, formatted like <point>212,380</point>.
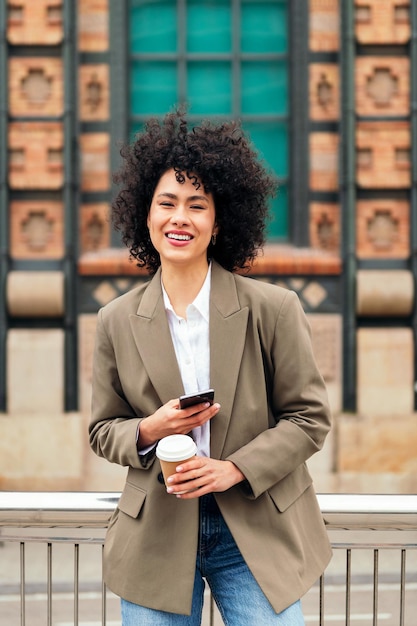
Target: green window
<point>226,59</point>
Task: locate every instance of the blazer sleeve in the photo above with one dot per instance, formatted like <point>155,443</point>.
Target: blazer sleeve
<point>298,401</point>
<point>114,424</point>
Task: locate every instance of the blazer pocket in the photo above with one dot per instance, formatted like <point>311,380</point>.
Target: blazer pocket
<point>131,500</point>
<point>290,488</point>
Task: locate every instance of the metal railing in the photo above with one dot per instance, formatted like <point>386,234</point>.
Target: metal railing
<point>372,578</point>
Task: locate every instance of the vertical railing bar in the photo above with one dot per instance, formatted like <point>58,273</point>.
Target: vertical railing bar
<point>211,610</point>
<point>402,588</point>
<point>375,592</point>
<point>103,595</point>
<point>22,585</point>
<point>76,582</point>
<point>321,601</point>
<point>348,584</point>
<point>49,583</point>
<point>104,603</point>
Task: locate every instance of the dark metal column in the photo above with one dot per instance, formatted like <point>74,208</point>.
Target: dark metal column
<point>71,204</point>
<point>413,199</point>
<point>4,202</point>
<point>348,202</point>
<point>119,90</point>
<point>299,104</point>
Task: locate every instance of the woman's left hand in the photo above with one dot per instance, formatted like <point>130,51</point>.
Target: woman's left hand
<point>203,475</point>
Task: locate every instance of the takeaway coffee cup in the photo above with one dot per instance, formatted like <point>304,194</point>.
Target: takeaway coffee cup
<point>172,450</point>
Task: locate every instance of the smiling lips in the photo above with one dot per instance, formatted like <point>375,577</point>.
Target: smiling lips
<point>179,236</point>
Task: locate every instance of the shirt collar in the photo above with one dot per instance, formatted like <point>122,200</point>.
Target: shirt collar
<point>202,300</point>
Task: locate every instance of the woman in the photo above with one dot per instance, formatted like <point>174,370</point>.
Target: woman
<point>192,209</point>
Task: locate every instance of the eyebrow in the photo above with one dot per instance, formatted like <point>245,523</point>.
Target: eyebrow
<point>175,197</point>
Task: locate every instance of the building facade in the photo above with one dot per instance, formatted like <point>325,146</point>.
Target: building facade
<point>325,89</point>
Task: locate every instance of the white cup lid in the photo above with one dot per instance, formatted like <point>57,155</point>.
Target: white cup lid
<point>176,448</point>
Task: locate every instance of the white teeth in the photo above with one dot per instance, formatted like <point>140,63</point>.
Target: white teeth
<point>179,237</point>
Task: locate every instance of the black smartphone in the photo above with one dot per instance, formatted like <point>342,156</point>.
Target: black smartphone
<point>197,398</point>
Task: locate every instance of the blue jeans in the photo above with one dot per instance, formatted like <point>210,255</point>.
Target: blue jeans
<point>239,598</point>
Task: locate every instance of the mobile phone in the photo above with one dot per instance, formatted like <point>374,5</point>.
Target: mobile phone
<point>197,398</point>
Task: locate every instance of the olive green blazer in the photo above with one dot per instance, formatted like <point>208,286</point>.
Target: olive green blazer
<point>274,415</point>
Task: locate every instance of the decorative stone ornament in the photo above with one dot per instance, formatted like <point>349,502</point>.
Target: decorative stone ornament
<point>382,86</point>
<point>36,229</point>
<point>36,87</point>
<point>36,155</point>
<point>383,229</point>
<point>383,155</point>
<point>383,21</point>
<point>34,22</point>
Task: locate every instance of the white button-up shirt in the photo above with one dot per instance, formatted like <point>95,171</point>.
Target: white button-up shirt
<point>190,337</point>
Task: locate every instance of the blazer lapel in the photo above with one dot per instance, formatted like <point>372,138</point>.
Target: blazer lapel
<point>153,340</point>
<point>228,324</point>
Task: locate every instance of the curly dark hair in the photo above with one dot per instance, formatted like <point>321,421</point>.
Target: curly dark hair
<point>217,154</point>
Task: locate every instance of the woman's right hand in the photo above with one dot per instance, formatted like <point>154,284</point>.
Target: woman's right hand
<point>169,419</point>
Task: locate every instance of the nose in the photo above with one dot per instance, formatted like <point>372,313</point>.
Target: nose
<point>180,217</point>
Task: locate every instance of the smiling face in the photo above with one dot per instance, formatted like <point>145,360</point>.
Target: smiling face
<point>181,221</point>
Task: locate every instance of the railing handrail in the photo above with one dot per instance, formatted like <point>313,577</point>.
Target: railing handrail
<point>94,509</point>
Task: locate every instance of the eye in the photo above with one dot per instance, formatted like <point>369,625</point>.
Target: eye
<point>197,206</point>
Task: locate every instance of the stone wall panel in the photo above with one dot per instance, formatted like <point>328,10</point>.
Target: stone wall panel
<point>324,161</point>
<point>383,229</point>
<point>324,25</point>
<point>35,22</point>
<point>383,155</point>
<point>36,229</point>
<point>35,371</point>
<point>95,227</point>
<point>34,294</point>
<point>36,158</point>
<point>385,381</point>
<point>382,86</point>
<point>376,444</point>
<point>95,166</point>
<point>384,293</point>
<point>325,226</point>
<point>36,87</point>
<point>94,92</point>
<point>93,25</point>
<point>383,21</point>
<point>45,453</point>
<point>324,87</point>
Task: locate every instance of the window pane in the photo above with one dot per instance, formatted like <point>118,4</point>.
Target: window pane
<point>264,27</point>
<point>278,226</point>
<point>190,69</point>
<point>209,26</point>
<point>264,87</point>
<point>153,87</point>
<point>271,140</point>
<point>153,26</point>
<point>134,129</point>
<point>209,88</point>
